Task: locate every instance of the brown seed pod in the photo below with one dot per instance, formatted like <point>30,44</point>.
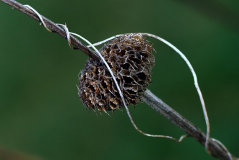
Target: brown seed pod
<point>131,62</point>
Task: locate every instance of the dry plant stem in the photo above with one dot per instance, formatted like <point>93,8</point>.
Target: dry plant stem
<point>162,108</point>
<point>214,147</point>
<point>52,26</point>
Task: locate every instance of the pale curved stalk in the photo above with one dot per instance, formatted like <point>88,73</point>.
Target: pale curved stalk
<point>216,148</point>
<point>121,95</point>
<point>190,67</point>
<point>195,81</point>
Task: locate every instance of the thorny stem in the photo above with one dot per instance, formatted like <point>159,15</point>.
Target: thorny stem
<point>52,26</point>
<point>162,108</point>
<point>149,98</point>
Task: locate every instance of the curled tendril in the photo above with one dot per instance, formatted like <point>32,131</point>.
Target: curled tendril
<point>116,83</point>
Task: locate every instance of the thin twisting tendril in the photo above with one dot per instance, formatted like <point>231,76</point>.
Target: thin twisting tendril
<point>122,97</point>
<point>220,143</point>
<point>116,83</point>
<point>68,36</point>
<point>195,82</point>
<point>191,69</point>
<point>39,16</point>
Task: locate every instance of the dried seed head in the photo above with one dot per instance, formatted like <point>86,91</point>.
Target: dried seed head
<point>131,62</point>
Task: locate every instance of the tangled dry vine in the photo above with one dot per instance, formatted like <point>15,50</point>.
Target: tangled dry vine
<point>216,149</point>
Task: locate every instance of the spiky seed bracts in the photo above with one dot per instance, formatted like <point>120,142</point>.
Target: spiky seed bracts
<point>131,61</point>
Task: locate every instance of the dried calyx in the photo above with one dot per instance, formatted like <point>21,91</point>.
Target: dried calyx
<point>131,62</point>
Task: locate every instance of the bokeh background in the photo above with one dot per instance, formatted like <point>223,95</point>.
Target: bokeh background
<point>41,114</point>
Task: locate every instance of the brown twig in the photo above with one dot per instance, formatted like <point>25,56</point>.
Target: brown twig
<point>149,98</point>
<point>157,104</point>
<point>52,26</point>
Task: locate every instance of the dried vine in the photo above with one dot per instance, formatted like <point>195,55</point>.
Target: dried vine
<point>215,148</point>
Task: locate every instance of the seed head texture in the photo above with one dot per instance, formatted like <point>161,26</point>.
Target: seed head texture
<point>131,62</point>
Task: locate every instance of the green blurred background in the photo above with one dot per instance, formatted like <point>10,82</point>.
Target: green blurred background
<point>41,114</point>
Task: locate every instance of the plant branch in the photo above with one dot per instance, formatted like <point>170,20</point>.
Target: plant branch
<point>149,98</point>
<point>157,104</point>
<point>52,26</point>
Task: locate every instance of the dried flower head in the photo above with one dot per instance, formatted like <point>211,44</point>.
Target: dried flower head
<point>131,62</point>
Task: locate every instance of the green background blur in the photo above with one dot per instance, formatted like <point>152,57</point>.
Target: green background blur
<point>41,114</point>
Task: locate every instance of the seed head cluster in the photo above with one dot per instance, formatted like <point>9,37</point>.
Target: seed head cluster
<point>131,62</point>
